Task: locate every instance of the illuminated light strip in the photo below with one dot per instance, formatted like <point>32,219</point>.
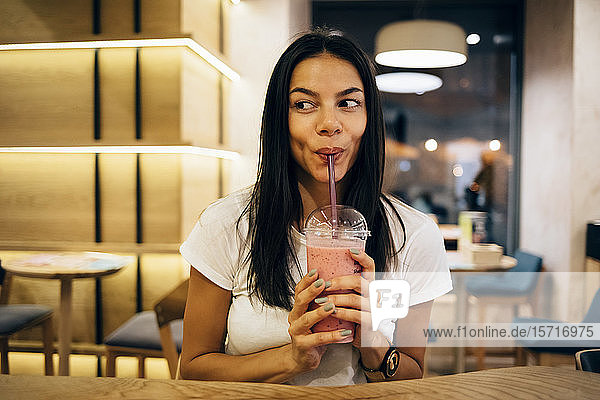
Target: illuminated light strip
<point>201,151</point>
<point>102,44</point>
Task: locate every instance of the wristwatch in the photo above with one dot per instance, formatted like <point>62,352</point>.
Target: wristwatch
<point>389,366</point>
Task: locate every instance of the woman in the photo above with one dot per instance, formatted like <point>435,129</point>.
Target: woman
<point>247,315</point>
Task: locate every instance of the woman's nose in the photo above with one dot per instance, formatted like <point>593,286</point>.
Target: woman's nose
<point>328,124</point>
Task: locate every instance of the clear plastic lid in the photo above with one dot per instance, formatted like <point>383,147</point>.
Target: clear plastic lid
<point>349,222</point>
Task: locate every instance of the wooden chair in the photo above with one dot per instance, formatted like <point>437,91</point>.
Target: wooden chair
<point>17,317</point>
<point>157,333</point>
<point>169,311</point>
<point>588,360</point>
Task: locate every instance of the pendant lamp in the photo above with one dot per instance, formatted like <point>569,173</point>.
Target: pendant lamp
<point>407,82</point>
<point>421,43</point>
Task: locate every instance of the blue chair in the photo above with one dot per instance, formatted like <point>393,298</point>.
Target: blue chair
<point>509,283</point>
<point>565,347</point>
<point>157,333</point>
<point>17,317</point>
<point>588,360</point>
<point>511,288</point>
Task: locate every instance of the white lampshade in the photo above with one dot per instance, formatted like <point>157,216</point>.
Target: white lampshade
<point>421,44</point>
<point>407,82</point>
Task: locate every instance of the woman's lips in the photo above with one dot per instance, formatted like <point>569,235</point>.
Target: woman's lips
<point>325,151</point>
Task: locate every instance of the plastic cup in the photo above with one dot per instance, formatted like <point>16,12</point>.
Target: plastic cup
<point>327,250</point>
<point>472,226</point>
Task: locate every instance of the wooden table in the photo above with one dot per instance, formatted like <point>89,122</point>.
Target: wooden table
<point>458,264</point>
<point>505,383</point>
<point>66,267</point>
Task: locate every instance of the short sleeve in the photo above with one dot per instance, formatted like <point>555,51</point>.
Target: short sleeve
<point>209,248</point>
<point>425,264</point>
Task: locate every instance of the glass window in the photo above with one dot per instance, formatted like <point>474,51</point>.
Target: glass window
<point>454,148</point>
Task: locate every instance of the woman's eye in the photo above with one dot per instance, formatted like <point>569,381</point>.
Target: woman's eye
<point>349,103</point>
<point>303,105</point>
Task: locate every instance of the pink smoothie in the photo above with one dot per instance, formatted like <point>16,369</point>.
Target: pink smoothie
<point>331,262</point>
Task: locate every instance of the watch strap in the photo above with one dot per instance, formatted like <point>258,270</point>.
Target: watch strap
<point>373,374</point>
<point>388,367</point>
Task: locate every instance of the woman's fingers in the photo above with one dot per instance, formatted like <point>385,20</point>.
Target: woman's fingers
<point>302,325</point>
<point>349,282</point>
<point>362,318</point>
<point>322,338</point>
<point>363,259</point>
<point>312,288</point>
<point>305,297</point>
<point>350,300</point>
<point>307,280</point>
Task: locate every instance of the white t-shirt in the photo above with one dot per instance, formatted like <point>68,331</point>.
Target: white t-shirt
<point>214,247</point>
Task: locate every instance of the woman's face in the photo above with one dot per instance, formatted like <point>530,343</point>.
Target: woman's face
<point>327,115</point>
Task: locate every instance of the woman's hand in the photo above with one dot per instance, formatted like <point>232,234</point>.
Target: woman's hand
<point>355,306</point>
<point>307,348</point>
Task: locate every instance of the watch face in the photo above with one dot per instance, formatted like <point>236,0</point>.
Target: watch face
<point>393,362</point>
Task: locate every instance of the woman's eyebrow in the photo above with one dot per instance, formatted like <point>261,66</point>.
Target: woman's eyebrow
<point>305,91</point>
<point>309,92</point>
<point>346,92</point>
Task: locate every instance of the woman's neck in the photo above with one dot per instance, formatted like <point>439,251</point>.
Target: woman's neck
<point>315,194</point>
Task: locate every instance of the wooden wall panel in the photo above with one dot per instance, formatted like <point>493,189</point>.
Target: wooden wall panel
<point>201,19</point>
<point>84,310</point>
<point>199,188</point>
<point>199,101</point>
<point>119,297</point>
<point>117,199</point>
<point>226,85</point>
<point>117,18</point>
<point>227,166</point>
<point>43,20</point>
<point>160,81</point>
<point>161,16</point>
<point>161,273</point>
<point>47,97</point>
<point>161,198</point>
<point>117,95</point>
<point>227,10</point>
<point>47,197</point>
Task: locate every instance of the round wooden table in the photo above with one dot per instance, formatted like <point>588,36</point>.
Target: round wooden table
<point>459,264</point>
<point>66,267</point>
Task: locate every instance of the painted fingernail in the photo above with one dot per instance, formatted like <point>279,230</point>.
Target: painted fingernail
<point>346,332</point>
<point>328,307</point>
<point>355,251</point>
<point>318,283</point>
<point>312,272</point>
<point>327,284</point>
<point>321,300</point>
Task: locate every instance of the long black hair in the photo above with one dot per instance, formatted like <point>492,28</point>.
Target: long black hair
<point>275,203</point>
